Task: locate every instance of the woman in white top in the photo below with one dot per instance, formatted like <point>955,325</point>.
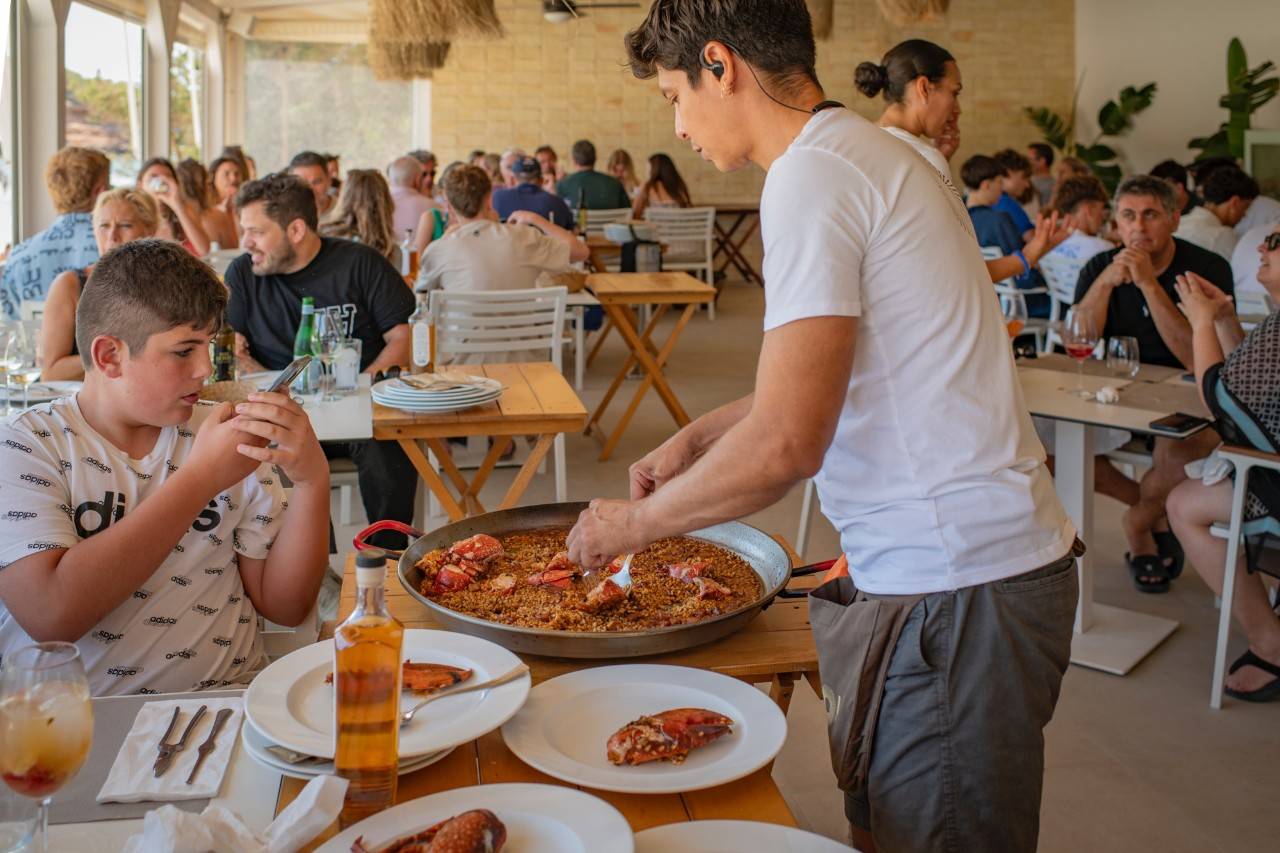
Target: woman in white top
<point>665,187</point>
<point>921,85</point>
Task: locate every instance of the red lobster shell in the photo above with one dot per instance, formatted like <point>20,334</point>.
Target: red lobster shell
<point>668,736</point>
<point>477,831</point>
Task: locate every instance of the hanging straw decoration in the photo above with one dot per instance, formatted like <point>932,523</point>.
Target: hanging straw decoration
<point>820,12</point>
<point>398,60</point>
<point>904,12</point>
<point>410,38</point>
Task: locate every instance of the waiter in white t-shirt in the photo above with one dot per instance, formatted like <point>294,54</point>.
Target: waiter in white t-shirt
<point>886,375</point>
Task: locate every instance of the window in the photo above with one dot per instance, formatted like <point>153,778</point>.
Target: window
<point>8,164</point>
<point>104,87</point>
<point>322,97</point>
<point>186,103</point>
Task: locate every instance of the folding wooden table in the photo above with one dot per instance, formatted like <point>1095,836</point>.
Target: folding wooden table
<point>537,401</point>
<point>618,294</point>
<point>729,243</point>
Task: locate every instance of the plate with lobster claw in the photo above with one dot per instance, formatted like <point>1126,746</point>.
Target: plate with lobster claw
<point>646,729</point>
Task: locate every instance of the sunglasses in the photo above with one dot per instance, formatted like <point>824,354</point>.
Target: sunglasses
<point>1271,242</point>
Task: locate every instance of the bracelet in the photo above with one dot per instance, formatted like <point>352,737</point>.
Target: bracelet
<point>1026,267</point>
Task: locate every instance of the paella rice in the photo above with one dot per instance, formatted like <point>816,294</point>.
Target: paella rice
<point>657,598</point>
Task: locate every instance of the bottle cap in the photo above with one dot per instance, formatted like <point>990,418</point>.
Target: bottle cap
<point>371,567</point>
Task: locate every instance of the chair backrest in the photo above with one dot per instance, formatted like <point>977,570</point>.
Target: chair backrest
<point>598,219</point>
<point>499,321</point>
<point>682,224</point>
<point>32,310</point>
<point>1249,302</point>
<point>995,253</point>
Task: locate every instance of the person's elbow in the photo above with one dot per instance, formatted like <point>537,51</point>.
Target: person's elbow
<point>789,457</point>
<point>578,251</point>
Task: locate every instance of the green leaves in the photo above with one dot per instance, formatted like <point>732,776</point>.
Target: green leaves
<point>1247,90</point>
<point>1116,117</point>
<point>1055,129</point>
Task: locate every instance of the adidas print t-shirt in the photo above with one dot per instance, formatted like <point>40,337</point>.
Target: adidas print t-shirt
<point>190,625</point>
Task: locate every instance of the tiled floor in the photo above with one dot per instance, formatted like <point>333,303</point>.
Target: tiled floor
<point>1133,764</point>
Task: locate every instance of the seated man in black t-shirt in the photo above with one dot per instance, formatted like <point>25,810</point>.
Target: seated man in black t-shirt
<point>285,260</point>
<point>1130,292</point>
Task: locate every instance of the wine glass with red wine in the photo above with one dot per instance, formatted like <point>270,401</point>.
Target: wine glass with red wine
<point>1080,337</point>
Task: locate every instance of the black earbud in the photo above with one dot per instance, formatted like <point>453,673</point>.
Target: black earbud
<point>716,67</point>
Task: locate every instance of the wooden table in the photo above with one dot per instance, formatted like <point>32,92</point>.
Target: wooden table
<point>618,294</point>
<point>1107,638</point>
<point>537,401</point>
<point>745,215</point>
<point>777,647</point>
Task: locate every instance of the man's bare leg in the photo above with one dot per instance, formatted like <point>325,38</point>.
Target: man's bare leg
<point>1147,515</point>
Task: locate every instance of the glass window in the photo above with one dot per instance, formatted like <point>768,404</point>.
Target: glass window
<point>324,98</point>
<point>186,103</point>
<point>8,164</point>
<point>104,87</point>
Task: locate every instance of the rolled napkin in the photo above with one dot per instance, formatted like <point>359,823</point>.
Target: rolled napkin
<point>1108,395</point>
<point>442,381</point>
<point>216,828</point>
<point>132,779</point>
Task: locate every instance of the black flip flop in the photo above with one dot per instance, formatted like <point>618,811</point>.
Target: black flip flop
<point>1265,693</point>
<point>1169,546</point>
<point>1148,566</point>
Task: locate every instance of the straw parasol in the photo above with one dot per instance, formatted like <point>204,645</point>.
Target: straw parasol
<point>903,12</point>
<point>820,12</point>
<point>410,38</point>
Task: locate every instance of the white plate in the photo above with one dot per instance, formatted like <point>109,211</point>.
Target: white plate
<point>436,404</point>
<point>41,392</point>
<point>563,728</point>
<point>397,387</point>
<point>539,819</point>
<point>431,410</point>
<point>256,745</point>
<point>290,703</point>
<point>733,836</point>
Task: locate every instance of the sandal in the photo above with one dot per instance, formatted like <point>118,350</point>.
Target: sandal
<point>1265,693</point>
<point>1171,549</point>
<point>1150,573</point>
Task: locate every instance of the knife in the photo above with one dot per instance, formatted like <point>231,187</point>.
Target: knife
<point>167,751</point>
<point>208,745</point>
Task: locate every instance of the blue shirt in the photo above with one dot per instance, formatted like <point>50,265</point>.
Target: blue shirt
<point>1019,216</point>
<point>995,228</point>
<point>533,198</point>
<point>67,244</point>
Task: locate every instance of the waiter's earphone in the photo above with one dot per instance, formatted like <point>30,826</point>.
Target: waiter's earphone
<point>716,67</point>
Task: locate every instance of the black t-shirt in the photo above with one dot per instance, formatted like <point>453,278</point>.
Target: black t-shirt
<point>1127,312</point>
<point>346,277</point>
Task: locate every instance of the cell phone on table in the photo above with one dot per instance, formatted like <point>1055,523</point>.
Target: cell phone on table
<point>1177,423</point>
<point>290,373</point>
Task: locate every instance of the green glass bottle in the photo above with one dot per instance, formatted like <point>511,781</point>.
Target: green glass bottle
<point>302,343</point>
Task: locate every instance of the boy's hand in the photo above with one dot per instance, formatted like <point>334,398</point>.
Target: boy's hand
<point>216,453</point>
<point>277,418</point>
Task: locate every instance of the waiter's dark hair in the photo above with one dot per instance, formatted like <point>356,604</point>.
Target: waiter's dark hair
<point>900,67</point>
<point>775,37</point>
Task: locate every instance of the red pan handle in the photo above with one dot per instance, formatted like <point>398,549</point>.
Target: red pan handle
<point>812,569</point>
<point>361,539</point>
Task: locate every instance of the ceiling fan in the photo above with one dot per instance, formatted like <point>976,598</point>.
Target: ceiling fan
<point>559,11</point>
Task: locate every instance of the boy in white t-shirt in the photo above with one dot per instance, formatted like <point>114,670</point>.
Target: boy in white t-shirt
<point>141,526</point>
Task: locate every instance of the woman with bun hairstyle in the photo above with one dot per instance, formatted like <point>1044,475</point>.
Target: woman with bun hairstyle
<point>921,85</point>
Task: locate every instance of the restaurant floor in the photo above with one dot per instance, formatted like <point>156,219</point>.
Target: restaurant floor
<point>1133,763</point>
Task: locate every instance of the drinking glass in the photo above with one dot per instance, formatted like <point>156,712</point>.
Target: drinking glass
<point>326,341</point>
<point>46,722</point>
<point>10,333</point>
<point>346,366</point>
<point>17,822</point>
<point>23,362</point>
<point>1014,306</point>
<point>1122,357</point>
<point>1080,337</point>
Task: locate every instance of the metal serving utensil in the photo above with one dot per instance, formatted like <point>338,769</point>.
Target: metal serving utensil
<point>511,675</point>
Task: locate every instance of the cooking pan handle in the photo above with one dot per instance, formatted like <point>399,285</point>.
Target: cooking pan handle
<point>812,569</point>
<point>361,539</point>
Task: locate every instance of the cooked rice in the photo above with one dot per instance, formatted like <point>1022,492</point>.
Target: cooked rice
<point>657,599</point>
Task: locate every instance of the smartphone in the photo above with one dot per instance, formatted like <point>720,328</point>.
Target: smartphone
<point>290,373</point>
<point>1177,423</point>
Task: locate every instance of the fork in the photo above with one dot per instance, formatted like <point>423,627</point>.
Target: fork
<point>511,675</point>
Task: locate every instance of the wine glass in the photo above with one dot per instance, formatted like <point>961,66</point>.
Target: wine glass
<point>1014,306</point>
<point>326,341</point>
<point>1080,337</point>
<point>1122,357</point>
<point>25,365</point>
<point>46,722</point>
<point>9,334</point>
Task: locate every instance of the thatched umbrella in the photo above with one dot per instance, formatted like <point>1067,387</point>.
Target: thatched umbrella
<point>820,12</point>
<point>410,38</point>
<point>904,12</point>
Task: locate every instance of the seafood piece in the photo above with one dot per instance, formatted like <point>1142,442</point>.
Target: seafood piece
<point>711,590</point>
<point>558,572</point>
<point>686,571</point>
<point>430,677</point>
<point>666,736</point>
<point>505,584</point>
<point>477,831</point>
<point>478,548</point>
<point>604,595</point>
<point>457,575</point>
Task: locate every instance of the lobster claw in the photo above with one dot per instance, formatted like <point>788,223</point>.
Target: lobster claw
<point>668,736</point>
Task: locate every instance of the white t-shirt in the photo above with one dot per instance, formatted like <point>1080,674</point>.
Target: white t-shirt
<point>926,149</point>
<point>190,625</point>
<point>1061,267</point>
<point>491,256</point>
<point>935,478</point>
<point>1263,210</point>
<point>1205,230</point>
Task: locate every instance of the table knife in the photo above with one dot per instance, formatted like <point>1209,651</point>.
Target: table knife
<point>208,746</point>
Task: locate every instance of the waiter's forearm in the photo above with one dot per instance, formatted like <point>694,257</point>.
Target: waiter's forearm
<point>707,430</point>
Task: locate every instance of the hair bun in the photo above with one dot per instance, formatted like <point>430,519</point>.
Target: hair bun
<point>870,78</point>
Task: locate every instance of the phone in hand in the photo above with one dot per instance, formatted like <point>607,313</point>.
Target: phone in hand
<point>1177,423</point>
<point>290,373</point>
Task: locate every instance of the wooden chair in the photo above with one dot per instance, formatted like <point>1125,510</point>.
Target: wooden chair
<point>502,322</point>
<point>689,234</point>
<point>1245,459</point>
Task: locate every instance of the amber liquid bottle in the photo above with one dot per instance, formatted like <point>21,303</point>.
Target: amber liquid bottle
<point>366,666</point>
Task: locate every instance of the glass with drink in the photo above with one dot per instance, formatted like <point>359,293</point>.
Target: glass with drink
<point>1014,306</point>
<point>9,334</point>
<point>1080,337</point>
<point>326,342</point>
<point>23,361</point>
<point>46,722</point>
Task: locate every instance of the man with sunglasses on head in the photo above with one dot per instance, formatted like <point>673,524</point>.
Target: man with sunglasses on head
<point>886,375</point>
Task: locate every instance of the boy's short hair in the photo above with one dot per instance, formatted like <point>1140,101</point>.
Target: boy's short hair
<point>978,169</point>
<point>1074,192</point>
<point>71,176</point>
<point>466,188</point>
<point>1171,170</point>
<point>775,37</point>
<point>286,198</point>
<point>309,158</point>
<point>143,288</point>
<point>1013,161</point>
<point>1043,151</point>
<point>1228,182</point>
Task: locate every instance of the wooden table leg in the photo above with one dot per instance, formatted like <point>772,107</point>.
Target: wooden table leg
<point>469,493</point>
<point>604,333</point>
<point>432,479</point>
<point>527,470</point>
<point>784,683</point>
<point>623,318</point>
<point>815,681</point>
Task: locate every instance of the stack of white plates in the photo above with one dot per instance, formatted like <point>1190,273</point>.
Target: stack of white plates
<point>397,394</point>
<point>258,746</point>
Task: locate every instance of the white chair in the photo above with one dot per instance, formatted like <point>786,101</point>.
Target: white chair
<point>1252,305</point>
<point>689,234</point>
<point>1244,460</point>
<point>598,219</point>
<point>1061,274</point>
<point>1036,326</point>
<point>31,311</point>
<point>501,323</point>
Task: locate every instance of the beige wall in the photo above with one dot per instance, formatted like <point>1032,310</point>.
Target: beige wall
<point>555,83</point>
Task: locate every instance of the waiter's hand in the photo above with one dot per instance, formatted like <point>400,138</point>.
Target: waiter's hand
<point>604,530</point>
<point>671,458</point>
